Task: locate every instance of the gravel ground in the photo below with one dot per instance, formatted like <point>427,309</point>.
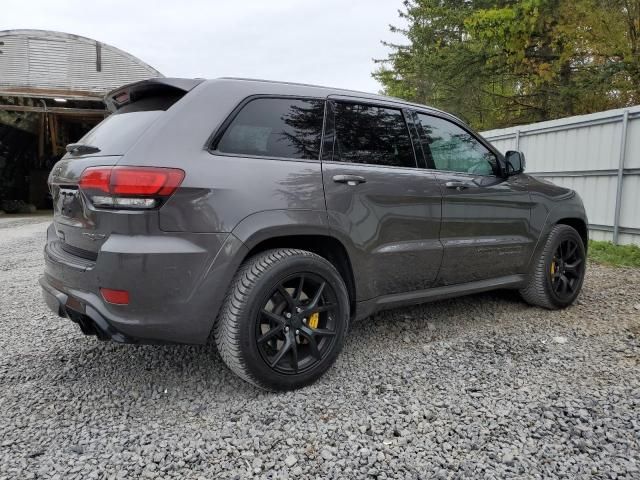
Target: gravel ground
<point>479,387</point>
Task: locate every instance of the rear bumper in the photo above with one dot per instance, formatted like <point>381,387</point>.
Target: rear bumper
<point>176,284</point>
<point>88,319</point>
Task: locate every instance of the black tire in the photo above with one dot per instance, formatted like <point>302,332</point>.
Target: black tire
<point>545,287</point>
<point>238,328</point>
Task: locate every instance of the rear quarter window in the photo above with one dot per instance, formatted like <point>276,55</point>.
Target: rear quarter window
<point>276,127</point>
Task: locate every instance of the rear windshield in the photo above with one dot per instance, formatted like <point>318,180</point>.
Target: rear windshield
<point>141,105</point>
<point>117,133</point>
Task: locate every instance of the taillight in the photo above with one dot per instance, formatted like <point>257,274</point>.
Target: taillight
<point>130,187</point>
<point>96,178</point>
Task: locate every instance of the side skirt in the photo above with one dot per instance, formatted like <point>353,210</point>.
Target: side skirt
<point>385,302</point>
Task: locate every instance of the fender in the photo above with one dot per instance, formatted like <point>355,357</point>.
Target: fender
<point>269,224</point>
<point>261,226</point>
<point>211,291</point>
<point>570,207</point>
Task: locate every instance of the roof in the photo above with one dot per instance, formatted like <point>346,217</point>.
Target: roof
<point>245,87</point>
<point>267,87</point>
<point>46,63</point>
<point>319,89</point>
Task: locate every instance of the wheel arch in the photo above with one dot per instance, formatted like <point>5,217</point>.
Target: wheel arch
<point>565,213</point>
<point>301,229</point>
<point>326,246</point>
<point>579,225</point>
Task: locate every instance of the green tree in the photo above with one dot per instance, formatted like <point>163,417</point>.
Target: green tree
<point>500,63</point>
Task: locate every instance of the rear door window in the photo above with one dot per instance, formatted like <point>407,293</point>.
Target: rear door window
<point>276,127</point>
<point>371,134</point>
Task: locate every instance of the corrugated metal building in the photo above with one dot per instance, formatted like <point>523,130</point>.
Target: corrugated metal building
<point>51,89</point>
<point>66,65</point>
<point>598,155</point>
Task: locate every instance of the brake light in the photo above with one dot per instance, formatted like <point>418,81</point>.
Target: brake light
<point>95,178</point>
<point>130,187</point>
<point>121,98</point>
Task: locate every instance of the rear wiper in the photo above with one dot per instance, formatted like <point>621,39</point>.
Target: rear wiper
<point>79,148</point>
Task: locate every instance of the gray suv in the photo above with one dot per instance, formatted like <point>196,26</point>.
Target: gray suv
<point>267,216</point>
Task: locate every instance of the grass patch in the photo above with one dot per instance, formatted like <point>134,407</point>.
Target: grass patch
<point>614,255</point>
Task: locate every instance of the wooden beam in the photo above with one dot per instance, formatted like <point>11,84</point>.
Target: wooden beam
<point>51,93</point>
<point>88,112</point>
<point>41,134</point>
<point>52,131</point>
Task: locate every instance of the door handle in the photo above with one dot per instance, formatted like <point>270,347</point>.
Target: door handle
<point>458,185</point>
<point>349,179</point>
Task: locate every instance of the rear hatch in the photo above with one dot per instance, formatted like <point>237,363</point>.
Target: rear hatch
<point>80,226</point>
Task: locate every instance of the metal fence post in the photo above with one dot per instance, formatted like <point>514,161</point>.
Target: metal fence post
<point>518,140</point>
<point>623,151</point>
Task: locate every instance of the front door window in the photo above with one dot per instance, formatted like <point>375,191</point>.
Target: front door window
<point>453,149</point>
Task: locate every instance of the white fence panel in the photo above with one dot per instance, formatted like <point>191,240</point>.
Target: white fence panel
<point>598,155</point>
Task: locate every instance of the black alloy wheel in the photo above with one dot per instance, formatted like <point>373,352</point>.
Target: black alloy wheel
<point>567,269</point>
<point>296,326</point>
<point>558,271</point>
<point>284,320</point>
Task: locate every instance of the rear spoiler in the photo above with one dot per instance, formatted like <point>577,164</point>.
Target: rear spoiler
<point>133,92</point>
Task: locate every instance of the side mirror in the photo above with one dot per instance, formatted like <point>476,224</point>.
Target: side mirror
<point>515,162</point>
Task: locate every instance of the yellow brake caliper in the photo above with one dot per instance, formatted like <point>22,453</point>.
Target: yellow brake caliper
<point>553,267</point>
<point>314,319</point>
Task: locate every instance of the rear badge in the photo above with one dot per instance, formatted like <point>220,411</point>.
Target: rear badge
<point>94,236</point>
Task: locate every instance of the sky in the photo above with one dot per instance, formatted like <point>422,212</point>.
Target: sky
<point>324,42</point>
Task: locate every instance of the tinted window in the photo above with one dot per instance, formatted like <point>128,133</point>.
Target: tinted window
<point>276,127</point>
<point>118,132</point>
<point>373,135</point>
<point>454,149</point>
